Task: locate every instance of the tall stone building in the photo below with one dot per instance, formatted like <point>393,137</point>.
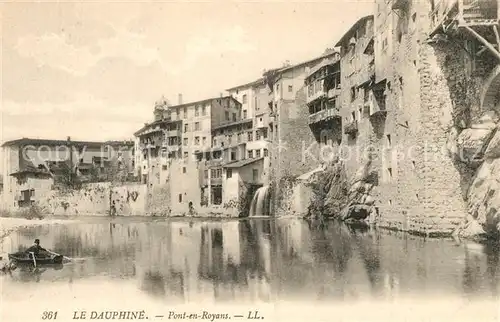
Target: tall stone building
<point>421,110</point>
<point>169,147</point>
<point>289,124</point>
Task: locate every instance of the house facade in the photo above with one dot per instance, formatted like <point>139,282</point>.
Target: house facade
<point>34,167</point>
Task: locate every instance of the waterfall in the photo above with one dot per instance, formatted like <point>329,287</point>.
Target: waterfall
<point>260,203</point>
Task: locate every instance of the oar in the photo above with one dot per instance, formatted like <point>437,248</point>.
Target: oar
<point>56,254</point>
<point>34,260</point>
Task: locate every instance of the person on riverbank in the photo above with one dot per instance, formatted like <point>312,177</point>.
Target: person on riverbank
<point>36,248</point>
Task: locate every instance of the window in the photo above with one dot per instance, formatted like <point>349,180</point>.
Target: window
<point>197,126</point>
<point>183,169</point>
<point>204,110</point>
<point>205,174</point>
<point>234,117</point>
<point>233,156</point>
<point>266,152</point>
<point>244,98</point>
<point>197,140</point>
<point>388,139</point>
<point>186,155</point>
<point>257,153</point>
<point>264,133</point>
<point>227,115</point>
<point>216,173</point>
<point>290,88</point>
<point>180,197</point>
<point>250,136</point>
<point>353,116</point>
<point>230,139</point>
<point>244,114</point>
<point>239,137</point>
<point>257,134</point>
<point>255,174</point>
<point>277,87</point>
<point>324,139</point>
<point>178,113</point>
<point>229,173</point>
<point>185,141</point>
<point>250,154</point>
<point>353,93</point>
<point>185,112</point>
<point>196,110</point>
<point>164,167</point>
<point>204,140</point>
<point>186,128</point>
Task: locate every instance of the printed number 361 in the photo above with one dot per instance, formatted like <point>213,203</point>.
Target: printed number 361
<point>49,315</point>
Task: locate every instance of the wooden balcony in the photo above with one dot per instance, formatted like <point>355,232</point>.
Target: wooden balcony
<point>318,95</point>
<point>324,115</point>
<point>351,128</point>
<point>216,181</point>
<point>334,92</point>
<point>173,133</point>
<point>173,147</point>
<point>474,19</point>
<point>448,13</point>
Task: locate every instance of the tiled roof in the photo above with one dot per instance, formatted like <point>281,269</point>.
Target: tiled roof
<point>256,82</point>
<point>353,29</point>
<point>38,142</point>
<point>242,163</point>
<point>232,124</point>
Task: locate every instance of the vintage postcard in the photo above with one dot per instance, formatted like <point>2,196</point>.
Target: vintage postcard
<point>250,160</point>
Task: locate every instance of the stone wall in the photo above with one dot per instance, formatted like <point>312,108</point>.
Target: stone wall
<point>295,137</point>
<point>96,199</point>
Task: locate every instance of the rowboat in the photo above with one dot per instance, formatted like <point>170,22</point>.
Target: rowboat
<point>42,258</point>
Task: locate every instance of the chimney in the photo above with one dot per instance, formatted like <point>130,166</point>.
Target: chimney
<point>179,99</point>
<point>221,95</point>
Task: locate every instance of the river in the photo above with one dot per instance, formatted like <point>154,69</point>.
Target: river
<point>175,261</point>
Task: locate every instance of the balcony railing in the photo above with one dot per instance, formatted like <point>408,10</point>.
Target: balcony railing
<point>351,128</point>
<point>216,181</point>
<point>334,92</point>
<point>173,147</point>
<point>173,133</point>
<point>315,96</point>
<point>148,146</point>
<point>324,115</point>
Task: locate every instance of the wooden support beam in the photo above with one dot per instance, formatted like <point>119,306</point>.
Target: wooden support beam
<point>497,37</point>
<point>489,46</point>
<point>480,51</point>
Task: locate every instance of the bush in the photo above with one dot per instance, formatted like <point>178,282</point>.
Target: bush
<point>32,212</point>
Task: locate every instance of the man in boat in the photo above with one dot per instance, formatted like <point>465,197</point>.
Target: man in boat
<point>36,248</point>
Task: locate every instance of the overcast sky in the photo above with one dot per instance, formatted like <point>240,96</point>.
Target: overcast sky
<point>94,70</point>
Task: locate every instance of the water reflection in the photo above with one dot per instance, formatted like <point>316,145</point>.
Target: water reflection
<point>265,260</point>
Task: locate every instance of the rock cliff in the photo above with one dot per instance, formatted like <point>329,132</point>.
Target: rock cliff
<point>479,148</point>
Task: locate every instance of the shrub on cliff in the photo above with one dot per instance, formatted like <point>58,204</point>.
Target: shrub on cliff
<point>330,188</point>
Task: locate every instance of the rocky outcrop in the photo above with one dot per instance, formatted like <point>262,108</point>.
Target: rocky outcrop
<point>470,145</point>
<point>355,213</point>
<point>484,197</point>
<point>336,197</point>
<point>483,194</point>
